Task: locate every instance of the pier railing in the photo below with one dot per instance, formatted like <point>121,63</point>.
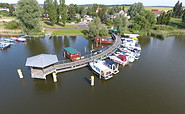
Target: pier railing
<point>64,65</point>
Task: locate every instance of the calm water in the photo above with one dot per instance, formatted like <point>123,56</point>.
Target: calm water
<point>153,85</point>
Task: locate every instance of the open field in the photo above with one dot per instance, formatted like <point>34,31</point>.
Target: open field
<point>158,8</point>
<point>150,8</point>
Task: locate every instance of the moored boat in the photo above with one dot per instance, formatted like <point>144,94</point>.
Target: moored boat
<point>112,65</point>
<point>4,45</point>
<point>8,40</point>
<point>102,70</point>
<point>117,60</point>
<point>20,39</point>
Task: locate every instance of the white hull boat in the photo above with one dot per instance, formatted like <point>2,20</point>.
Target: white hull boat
<point>102,70</point>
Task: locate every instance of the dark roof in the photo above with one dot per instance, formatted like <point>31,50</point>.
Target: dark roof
<point>71,50</point>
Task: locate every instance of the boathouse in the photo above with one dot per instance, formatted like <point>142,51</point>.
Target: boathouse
<point>72,54</point>
<point>104,40</point>
<point>41,65</point>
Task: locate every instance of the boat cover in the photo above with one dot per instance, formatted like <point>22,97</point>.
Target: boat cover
<point>122,57</point>
<point>109,62</point>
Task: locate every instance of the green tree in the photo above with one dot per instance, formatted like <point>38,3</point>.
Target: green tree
<point>111,11</point>
<point>177,10</point>
<point>82,10</point>
<point>120,23</point>
<point>103,31</point>
<point>28,13</point>
<point>4,5</point>
<point>92,10</point>
<point>11,10</point>
<point>145,21</point>
<point>135,10</point>
<point>46,7</point>
<point>102,13</point>
<point>164,18</point>
<point>71,12</point>
<point>63,11</point>
<point>55,3</point>
<point>94,27</point>
<point>53,12</point>
<point>183,16</point>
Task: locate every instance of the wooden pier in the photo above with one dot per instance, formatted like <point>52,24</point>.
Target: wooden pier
<point>62,67</point>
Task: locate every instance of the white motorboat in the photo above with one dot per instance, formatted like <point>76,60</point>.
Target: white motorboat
<point>20,39</point>
<point>117,60</point>
<point>4,45</point>
<point>102,70</point>
<point>112,65</point>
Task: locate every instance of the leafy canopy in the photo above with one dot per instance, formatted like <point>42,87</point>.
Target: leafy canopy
<point>28,13</point>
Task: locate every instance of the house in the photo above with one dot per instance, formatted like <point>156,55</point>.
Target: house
<point>98,9</point>
<point>103,40</point>
<point>4,9</point>
<point>87,19</point>
<point>157,12</point>
<point>72,54</point>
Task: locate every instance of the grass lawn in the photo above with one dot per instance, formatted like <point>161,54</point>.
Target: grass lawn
<point>178,23</point>
<point>46,24</point>
<point>68,32</point>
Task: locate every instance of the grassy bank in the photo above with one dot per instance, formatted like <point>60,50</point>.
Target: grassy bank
<point>175,28</point>
<point>68,32</point>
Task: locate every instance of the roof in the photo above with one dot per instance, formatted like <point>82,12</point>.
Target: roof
<point>104,37</point>
<point>42,60</point>
<point>71,50</point>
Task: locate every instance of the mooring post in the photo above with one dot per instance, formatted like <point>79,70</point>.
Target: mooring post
<point>92,80</point>
<point>54,77</point>
<point>100,75</point>
<point>64,54</point>
<point>20,73</point>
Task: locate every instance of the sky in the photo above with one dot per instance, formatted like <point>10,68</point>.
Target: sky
<point>111,2</point>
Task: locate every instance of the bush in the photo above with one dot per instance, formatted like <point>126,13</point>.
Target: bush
<point>11,25</point>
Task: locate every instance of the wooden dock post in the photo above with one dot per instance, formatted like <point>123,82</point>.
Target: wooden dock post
<point>54,77</point>
<point>20,73</point>
<point>92,80</point>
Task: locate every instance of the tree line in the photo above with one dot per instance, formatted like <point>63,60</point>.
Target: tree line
<point>29,13</point>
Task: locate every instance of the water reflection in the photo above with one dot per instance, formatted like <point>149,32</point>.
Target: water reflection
<point>36,46</point>
<point>144,41</point>
<point>46,86</point>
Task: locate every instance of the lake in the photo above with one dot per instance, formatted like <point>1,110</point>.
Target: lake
<point>155,84</point>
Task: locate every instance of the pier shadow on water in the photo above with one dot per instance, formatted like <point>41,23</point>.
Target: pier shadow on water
<point>46,85</point>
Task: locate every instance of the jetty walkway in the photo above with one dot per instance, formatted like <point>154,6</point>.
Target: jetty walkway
<point>62,67</point>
